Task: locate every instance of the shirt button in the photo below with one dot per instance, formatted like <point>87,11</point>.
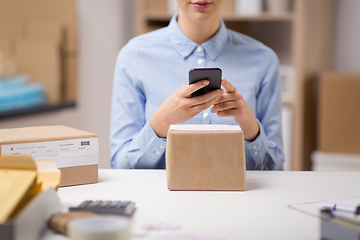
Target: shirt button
<point>199,49</point>
<point>200,61</point>
<point>161,146</point>
<point>254,147</point>
<point>157,152</point>
<point>205,114</point>
<point>256,153</point>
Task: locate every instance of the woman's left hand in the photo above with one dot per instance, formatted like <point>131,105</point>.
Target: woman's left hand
<point>233,104</point>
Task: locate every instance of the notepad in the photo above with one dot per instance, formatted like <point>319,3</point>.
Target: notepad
<point>314,208</point>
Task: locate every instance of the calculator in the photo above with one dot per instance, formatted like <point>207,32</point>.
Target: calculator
<point>126,208</point>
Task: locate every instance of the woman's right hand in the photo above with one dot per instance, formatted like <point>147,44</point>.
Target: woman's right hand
<point>180,106</point>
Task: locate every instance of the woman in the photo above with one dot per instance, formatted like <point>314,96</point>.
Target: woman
<point>151,89</point>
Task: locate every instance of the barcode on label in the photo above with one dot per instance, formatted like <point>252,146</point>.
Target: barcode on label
<point>85,143</point>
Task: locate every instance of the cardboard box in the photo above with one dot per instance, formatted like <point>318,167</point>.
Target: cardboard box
<point>11,29</point>
<point>157,5</point>
<point>339,115</point>
<point>205,157</point>
<point>69,87</point>
<point>28,19</point>
<point>40,58</point>
<point>228,6</point>
<point>42,29</point>
<point>5,46</point>
<point>28,11</point>
<point>75,152</point>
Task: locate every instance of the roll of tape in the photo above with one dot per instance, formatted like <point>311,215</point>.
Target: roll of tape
<point>99,228</point>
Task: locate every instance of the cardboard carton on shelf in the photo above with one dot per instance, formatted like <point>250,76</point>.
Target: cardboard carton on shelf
<point>156,5</point>
<point>228,6</point>
<point>5,46</point>
<point>339,115</point>
<point>205,157</point>
<point>74,151</point>
<point>28,20</point>
<point>40,58</point>
<point>11,29</point>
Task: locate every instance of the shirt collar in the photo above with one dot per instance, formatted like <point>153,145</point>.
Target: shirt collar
<point>184,46</point>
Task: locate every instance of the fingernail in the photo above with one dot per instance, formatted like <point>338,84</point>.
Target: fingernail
<point>221,91</point>
<point>204,82</point>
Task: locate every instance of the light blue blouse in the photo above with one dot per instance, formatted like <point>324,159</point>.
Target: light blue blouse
<point>152,66</point>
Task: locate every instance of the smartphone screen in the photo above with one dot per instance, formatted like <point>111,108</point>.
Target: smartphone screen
<point>211,74</point>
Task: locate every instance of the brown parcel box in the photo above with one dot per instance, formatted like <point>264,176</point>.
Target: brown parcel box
<point>74,151</point>
<point>339,113</point>
<point>205,157</point>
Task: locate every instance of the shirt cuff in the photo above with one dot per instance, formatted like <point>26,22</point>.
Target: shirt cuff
<point>153,147</point>
<point>258,148</point>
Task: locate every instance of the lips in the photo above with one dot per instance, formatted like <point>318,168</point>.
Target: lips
<point>201,4</point>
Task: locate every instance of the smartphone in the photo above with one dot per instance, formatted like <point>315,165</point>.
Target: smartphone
<point>211,74</point>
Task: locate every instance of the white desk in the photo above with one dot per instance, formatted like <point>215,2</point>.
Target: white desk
<point>261,212</point>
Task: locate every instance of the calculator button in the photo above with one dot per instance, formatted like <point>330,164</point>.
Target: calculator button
<point>114,204</point>
<point>124,204</point>
<point>105,204</point>
<point>130,208</point>
<point>84,204</point>
<point>94,204</point>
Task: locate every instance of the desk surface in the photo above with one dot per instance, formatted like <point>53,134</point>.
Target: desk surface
<point>261,212</point>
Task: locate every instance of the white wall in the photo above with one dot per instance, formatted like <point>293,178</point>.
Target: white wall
<point>103,30</point>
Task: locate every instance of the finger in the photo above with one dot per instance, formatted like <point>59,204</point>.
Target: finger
<point>223,106</point>
<point>228,86</point>
<point>226,97</point>
<point>196,86</point>
<point>227,113</point>
<point>206,105</point>
<point>206,97</point>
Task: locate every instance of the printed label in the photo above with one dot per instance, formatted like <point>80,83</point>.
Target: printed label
<point>65,153</point>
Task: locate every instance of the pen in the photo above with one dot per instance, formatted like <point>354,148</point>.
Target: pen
<point>337,207</point>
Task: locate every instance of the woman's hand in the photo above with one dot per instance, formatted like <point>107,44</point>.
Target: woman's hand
<point>233,104</point>
<point>180,106</point>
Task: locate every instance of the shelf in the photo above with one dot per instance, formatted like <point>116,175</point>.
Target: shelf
<point>164,16</point>
<point>34,110</point>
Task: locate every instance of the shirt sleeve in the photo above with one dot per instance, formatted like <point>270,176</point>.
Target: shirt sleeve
<point>266,151</point>
<point>133,143</point>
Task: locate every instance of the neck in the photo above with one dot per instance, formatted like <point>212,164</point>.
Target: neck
<point>198,31</point>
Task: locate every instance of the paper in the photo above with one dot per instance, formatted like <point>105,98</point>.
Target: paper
<point>65,153</point>
<point>15,184</point>
<point>204,127</point>
<point>315,208</point>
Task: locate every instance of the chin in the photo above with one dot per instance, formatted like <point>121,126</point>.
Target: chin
<point>201,16</point>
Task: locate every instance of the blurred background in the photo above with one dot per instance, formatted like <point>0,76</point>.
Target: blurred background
<point>57,61</point>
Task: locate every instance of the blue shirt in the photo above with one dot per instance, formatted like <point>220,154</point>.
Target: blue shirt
<point>152,66</point>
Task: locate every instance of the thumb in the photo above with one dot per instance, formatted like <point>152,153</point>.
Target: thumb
<point>228,86</point>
